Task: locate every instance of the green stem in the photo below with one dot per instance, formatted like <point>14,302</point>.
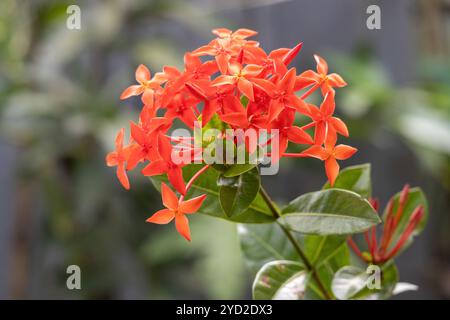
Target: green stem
<point>309,266</point>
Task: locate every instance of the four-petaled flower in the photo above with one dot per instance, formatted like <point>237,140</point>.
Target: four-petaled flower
<point>147,86</point>
<point>241,77</point>
<point>118,158</point>
<point>176,209</point>
<point>321,78</point>
<point>330,154</point>
<point>325,123</point>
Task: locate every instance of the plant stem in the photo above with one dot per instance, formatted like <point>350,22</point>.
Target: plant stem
<point>309,266</point>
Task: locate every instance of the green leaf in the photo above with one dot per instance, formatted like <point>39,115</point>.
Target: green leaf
<point>262,243</point>
<point>354,178</point>
<point>328,267</point>
<point>247,163</point>
<point>238,169</point>
<point>244,101</point>
<point>207,132</point>
<point>280,280</point>
<point>328,212</point>
<point>352,282</point>
<point>416,197</point>
<point>257,212</point>
<point>320,248</point>
<point>237,193</point>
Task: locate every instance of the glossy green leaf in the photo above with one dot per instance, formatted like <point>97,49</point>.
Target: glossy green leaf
<point>244,164</point>
<point>328,212</point>
<point>262,243</point>
<point>416,197</point>
<point>238,169</point>
<point>280,280</point>
<point>320,248</point>
<point>237,193</point>
<point>326,270</point>
<point>257,212</point>
<point>354,178</point>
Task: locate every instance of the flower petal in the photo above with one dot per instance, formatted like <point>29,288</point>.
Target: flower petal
<point>165,148</point>
<point>137,133</point>
<point>316,152</point>
<point>142,74</point>
<point>297,135</point>
<point>136,155</point>
<point>244,33</point>
<point>169,198</point>
<point>332,169</point>
<point>246,87</point>
<point>336,80</point>
<point>175,176</point>
<point>221,80</point>
<point>339,126</point>
<point>182,225</point>
<point>327,107</point>
<point>322,66</point>
<point>287,83</point>
<point>342,151</point>
<point>222,62</point>
<point>111,159</point>
<point>154,168</point>
<point>191,205</point>
<point>252,70</point>
<point>147,97</point>
<point>163,216</point>
<point>122,176</point>
<point>320,133</point>
<point>237,119</point>
<point>133,90</point>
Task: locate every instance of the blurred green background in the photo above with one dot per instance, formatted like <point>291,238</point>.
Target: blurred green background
<point>59,112</point>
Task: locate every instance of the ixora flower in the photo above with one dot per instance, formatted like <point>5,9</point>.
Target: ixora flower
<point>233,95</point>
<point>239,71</point>
<point>176,209</point>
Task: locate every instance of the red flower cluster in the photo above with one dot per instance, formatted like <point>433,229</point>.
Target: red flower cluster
<point>208,87</point>
<point>386,249</point>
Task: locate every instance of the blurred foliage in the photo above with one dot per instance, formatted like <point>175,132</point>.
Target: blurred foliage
<point>419,113</point>
<point>59,105</point>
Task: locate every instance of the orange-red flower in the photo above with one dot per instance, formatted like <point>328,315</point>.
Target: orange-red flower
<point>282,94</point>
<point>288,132</point>
<point>177,209</point>
<point>325,123</point>
<point>165,164</point>
<point>330,154</point>
<point>321,77</point>
<point>241,77</point>
<point>146,86</point>
<point>119,158</point>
